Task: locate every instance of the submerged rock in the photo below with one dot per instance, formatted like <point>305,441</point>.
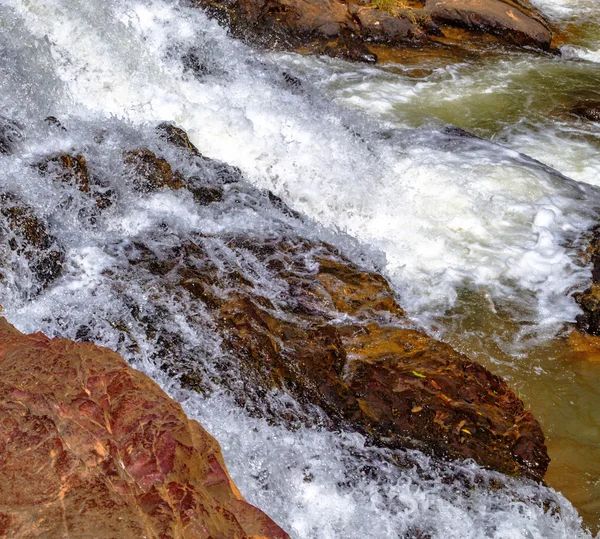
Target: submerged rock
<point>24,237</point>
<point>587,111</point>
<point>93,448</point>
<point>350,29</point>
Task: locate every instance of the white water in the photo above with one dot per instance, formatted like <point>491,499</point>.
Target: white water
<point>442,212</point>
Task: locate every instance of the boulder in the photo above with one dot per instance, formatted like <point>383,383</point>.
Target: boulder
<point>325,331</point>
<point>90,447</point>
<point>336,338</point>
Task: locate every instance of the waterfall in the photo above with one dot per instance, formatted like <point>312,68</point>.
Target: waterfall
<point>436,210</point>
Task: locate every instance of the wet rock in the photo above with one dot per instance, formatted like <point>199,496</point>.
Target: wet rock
<point>358,31</point>
<point>150,172</point>
<point>70,169</point>
<point>587,111</point>
<point>589,299</point>
<point>93,448</point>
<point>177,137</point>
<point>10,135</point>
<point>293,316</point>
<point>27,236</point>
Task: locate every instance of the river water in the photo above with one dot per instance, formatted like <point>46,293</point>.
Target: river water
<point>479,236</point>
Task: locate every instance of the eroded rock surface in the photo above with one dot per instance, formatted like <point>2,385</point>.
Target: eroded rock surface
<point>351,29</point>
<point>90,447</point>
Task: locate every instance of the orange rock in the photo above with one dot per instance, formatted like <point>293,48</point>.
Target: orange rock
<point>584,345</point>
<point>90,447</point>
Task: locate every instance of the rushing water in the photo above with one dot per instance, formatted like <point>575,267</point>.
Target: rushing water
<point>479,240</point>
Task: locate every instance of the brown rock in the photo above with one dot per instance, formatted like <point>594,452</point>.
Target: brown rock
<point>150,172</point>
<point>338,339</point>
<point>70,169</point>
<point>493,16</point>
<point>90,447</point>
<point>295,316</point>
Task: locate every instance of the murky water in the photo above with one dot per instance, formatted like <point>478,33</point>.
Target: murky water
<point>480,241</point>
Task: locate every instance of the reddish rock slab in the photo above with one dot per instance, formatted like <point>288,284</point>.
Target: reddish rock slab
<point>91,448</point>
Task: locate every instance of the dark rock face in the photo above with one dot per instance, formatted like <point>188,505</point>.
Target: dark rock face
<point>587,111</point>
<point>93,448</point>
<point>349,29</point>
<point>589,299</point>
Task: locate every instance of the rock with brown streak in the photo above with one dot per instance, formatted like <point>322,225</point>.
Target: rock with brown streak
<point>335,337</point>
<point>90,447</point>
<point>351,29</point>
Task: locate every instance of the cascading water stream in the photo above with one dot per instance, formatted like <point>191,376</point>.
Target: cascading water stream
<point>439,212</point>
